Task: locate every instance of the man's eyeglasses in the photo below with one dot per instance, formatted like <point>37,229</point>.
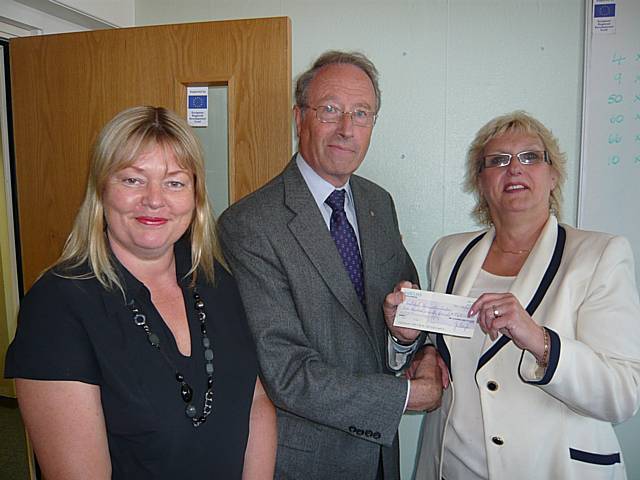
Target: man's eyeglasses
<point>333,114</point>
<point>525,158</point>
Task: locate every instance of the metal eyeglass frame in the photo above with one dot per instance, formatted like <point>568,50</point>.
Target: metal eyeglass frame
<point>342,113</point>
<point>545,158</point>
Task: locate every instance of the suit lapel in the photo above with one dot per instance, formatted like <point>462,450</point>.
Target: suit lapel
<point>366,227</point>
<point>370,248</point>
<point>470,267</point>
<point>309,229</point>
<point>528,280</point>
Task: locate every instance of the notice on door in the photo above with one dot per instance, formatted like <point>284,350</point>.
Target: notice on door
<point>197,106</point>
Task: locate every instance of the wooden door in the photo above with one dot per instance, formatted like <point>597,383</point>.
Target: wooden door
<point>66,87</point>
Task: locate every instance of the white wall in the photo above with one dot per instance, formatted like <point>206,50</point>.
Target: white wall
<point>19,12</point>
<point>62,16</point>
<point>117,12</point>
<point>446,68</point>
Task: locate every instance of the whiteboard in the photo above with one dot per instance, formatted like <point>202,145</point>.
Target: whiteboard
<point>609,192</point>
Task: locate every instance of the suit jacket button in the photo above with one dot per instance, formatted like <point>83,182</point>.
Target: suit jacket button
<point>491,385</point>
<point>352,429</point>
<point>497,440</point>
<point>368,433</point>
<point>376,435</point>
<point>360,432</point>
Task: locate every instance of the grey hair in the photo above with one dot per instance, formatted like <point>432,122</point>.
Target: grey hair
<point>333,57</point>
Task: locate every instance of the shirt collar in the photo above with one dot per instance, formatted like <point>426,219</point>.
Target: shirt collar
<point>319,187</point>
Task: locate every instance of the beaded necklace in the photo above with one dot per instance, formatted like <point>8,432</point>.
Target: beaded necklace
<point>186,392</point>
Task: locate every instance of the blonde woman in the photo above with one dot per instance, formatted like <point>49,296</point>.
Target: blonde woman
<point>132,357</point>
<point>555,358</point>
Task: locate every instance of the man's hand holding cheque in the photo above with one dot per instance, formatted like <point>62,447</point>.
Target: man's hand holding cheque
<point>405,336</point>
<point>427,358</point>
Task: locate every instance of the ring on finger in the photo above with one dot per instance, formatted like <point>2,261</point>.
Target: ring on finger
<point>496,312</point>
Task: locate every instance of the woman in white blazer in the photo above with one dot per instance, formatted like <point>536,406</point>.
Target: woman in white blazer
<point>555,358</point>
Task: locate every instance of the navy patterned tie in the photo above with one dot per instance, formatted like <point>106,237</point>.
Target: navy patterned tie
<point>346,242</point>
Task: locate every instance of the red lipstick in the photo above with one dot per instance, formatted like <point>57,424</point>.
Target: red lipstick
<point>152,221</point>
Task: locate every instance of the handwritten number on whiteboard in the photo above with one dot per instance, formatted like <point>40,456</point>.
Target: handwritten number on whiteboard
<point>615,138</point>
<point>616,119</point>
<point>615,98</point>
<point>614,160</point>
<point>618,59</point>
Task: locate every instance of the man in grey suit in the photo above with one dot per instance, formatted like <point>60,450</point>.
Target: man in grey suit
<point>313,285</point>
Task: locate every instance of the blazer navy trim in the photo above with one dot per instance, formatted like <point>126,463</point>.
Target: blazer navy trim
<point>595,458</point>
<point>465,252</point>
<point>545,283</point>
<point>554,265</point>
<point>441,345</point>
<point>554,357</point>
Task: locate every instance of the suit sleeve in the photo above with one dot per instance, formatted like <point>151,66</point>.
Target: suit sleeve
<point>297,377</point>
<point>597,373</point>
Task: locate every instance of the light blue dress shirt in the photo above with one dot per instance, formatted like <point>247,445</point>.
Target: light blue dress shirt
<point>321,189</point>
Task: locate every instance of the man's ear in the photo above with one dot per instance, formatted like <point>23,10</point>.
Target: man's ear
<point>297,116</point>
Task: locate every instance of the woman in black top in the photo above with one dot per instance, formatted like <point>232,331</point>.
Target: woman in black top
<point>132,357</point>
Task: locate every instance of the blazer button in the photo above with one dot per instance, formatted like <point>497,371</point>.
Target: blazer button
<point>352,429</point>
<point>360,432</point>
<point>368,433</point>
<point>376,435</point>
<point>491,385</point>
<point>497,440</point>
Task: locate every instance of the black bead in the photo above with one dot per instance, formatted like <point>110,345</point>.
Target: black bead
<point>186,392</point>
<point>199,304</point>
<point>190,411</point>
<point>203,329</point>
<point>179,377</point>
<point>209,382</point>
<point>154,340</point>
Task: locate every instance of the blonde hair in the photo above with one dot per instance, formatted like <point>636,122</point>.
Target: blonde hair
<point>514,122</point>
<point>128,135</point>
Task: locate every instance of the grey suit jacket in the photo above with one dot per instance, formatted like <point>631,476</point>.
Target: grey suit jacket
<point>321,357</point>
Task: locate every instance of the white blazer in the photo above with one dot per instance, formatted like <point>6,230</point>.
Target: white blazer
<point>556,425</point>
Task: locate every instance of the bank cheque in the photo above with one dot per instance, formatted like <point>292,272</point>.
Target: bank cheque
<point>436,312</point>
